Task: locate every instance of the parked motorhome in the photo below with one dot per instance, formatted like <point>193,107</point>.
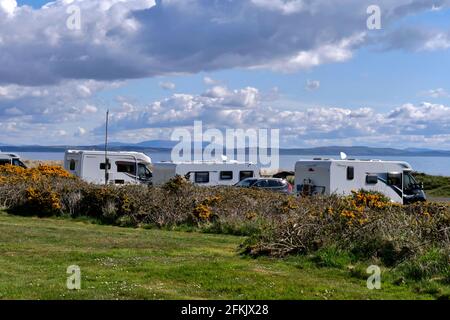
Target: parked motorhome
<point>205,173</point>
<point>123,167</point>
<point>328,176</point>
<point>12,159</point>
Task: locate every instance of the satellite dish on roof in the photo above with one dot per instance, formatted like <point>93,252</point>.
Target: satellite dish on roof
<point>343,156</point>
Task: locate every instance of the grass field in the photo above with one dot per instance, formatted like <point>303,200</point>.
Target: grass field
<point>435,186</point>
<point>122,263</point>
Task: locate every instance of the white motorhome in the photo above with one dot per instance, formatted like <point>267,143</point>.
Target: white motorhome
<point>123,167</point>
<point>12,159</point>
<point>205,173</point>
<point>329,176</point>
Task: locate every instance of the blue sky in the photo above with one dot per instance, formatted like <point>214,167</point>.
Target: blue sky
<point>266,64</point>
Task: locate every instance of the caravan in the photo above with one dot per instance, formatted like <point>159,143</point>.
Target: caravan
<point>205,173</point>
<point>341,177</point>
<point>12,159</point>
<point>123,167</point>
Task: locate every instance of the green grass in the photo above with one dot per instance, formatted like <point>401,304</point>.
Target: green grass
<point>122,263</point>
<point>435,186</point>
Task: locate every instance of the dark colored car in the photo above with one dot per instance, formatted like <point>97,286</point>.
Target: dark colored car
<point>273,184</point>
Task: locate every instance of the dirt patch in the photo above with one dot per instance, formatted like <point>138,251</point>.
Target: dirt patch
<point>36,163</point>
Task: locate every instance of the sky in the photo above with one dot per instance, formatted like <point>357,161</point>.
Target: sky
<point>312,69</point>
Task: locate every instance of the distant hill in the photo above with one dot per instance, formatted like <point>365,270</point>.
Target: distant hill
<point>165,146</point>
<point>162,144</point>
<point>365,151</point>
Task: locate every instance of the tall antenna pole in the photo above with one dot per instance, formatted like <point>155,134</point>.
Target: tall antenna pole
<point>106,149</point>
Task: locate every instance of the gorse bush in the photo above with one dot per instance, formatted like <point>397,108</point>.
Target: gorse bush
<point>36,191</point>
<point>365,224</point>
<point>361,226</point>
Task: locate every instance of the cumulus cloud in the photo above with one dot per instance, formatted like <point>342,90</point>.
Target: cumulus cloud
<point>413,38</point>
<point>422,122</point>
<point>312,85</point>
<point>167,85</point>
<point>327,53</point>
<point>8,6</point>
<point>89,109</point>
<point>221,107</point>
<point>286,7</point>
<point>66,102</point>
<point>436,93</point>
<point>143,38</point>
<point>80,132</point>
<point>210,81</point>
<point>218,104</point>
<point>51,75</point>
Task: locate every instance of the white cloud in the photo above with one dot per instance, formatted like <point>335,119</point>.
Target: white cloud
<point>62,104</point>
<point>286,7</point>
<point>89,109</point>
<point>438,41</point>
<point>312,85</point>
<point>326,53</point>
<point>167,85</point>
<point>210,81</point>
<point>221,107</point>
<point>8,6</point>
<point>80,132</point>
<point>423,122</point>
<point>217,92</point>
<point>50,76</point>
<point>413,38</point>
<point>436,93</point>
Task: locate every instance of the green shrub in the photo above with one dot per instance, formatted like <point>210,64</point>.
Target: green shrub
<point>332,257</point>
<point>433,264</point>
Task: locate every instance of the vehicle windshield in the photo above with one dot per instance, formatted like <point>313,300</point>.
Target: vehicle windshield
<point>246,183</point>
<point>408,180</point>
<point>144,171</point>
<point>17,162</point>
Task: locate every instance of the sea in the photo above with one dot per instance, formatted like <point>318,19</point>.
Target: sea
<point>429,165</point>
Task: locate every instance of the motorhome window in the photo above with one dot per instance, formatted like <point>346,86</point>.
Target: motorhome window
<point>4,161</point>
<point>245,174</point>
<point>126,167</point>
<point>350,173</point>
<point>408,181</point>
<point>226,175</point>
<point>143,171</point>
<point>72,165</point>
<point>102,166</point>
<point>395,179</point>
<point>372,179</point>
<point>201,177</point>
<point>17,162</point>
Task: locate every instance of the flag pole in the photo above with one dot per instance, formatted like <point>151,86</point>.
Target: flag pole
<point>106,149</point>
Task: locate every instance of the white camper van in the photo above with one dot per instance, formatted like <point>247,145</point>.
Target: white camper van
<point>12,159</point>
<point>328,176</point>
<point>205,173</point>
<point>123,167</point>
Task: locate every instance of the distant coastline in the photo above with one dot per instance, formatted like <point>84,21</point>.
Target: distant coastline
<point>159,146</point>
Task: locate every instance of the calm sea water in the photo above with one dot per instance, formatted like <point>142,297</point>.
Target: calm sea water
<point>430,165</point>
